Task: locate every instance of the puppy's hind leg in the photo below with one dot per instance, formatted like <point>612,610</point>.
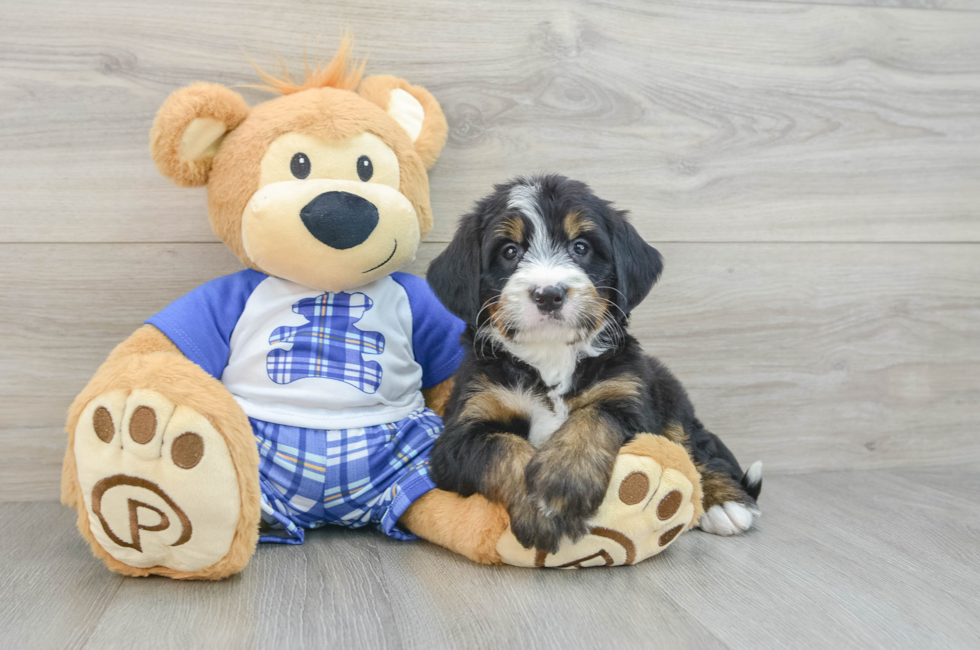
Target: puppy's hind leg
<point>730,496</point>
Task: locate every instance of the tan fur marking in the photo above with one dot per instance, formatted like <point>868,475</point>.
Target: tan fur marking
<point>503,481</point>
<point>675,433</point>
<point>512,229</point>
<point>575,225</point>
<point>619,388</point>
<point>718,488</point>
<point>490,402</point>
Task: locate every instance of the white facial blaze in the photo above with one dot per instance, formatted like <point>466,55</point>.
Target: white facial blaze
<point>551,342</point>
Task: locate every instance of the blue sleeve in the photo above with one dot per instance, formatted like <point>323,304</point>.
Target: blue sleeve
<point>435,332</point>
<point>200,323</point>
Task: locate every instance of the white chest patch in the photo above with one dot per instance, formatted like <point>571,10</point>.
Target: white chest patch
<point>545,421</point>
<point>556,365</point>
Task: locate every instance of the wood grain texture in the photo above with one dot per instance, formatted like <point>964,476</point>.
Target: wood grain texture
<point>52,592</point>
<point>869,559</point>
<point>712,120</point>
<point>806,356</point>
<point>925,5</point>
<point>329,593</point>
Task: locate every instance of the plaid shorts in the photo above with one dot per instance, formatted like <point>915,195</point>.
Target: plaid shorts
<point>348,477</point>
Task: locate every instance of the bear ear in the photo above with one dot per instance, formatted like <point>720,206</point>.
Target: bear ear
<point>189,129</point>
<point>414,108</point>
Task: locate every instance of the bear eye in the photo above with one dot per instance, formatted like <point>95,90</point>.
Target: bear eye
<point>365,168</point>
<point>580,247</point>
<point>300,165</point>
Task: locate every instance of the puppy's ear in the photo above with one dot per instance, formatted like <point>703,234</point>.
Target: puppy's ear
<point>455,274</point>
<point>415,110</point>
<point>638,265</point>
<point>189,129</point>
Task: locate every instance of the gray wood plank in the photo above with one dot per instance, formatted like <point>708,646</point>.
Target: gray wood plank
<point>871,559</point>
<point>813,575</point>
<point>823,570</point>
<point>927,5</point>
<point>806,356</point>
<point>327,593</point>
<point>713,120</point>
<point>441,600</point>
<point>52,590</point>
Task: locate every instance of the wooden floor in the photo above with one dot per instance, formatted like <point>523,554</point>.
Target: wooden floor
<point>862,559</point>
<point>810,170</point>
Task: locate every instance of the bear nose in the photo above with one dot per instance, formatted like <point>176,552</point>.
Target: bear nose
<point>340,220</point>
<point>549,298</point>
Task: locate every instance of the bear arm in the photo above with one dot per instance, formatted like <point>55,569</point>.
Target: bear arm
<point>145,340</point>
<point>437,397</point>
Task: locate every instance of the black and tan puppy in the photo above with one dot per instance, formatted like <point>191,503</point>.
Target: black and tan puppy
<point>546,274</point>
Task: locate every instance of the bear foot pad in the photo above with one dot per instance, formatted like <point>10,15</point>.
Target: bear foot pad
<point>158,482</point>
<point>646,508</point>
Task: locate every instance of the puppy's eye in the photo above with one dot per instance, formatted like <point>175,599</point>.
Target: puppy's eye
<point>509,252</point>
<point>365,168</point>
<point>300,166</point>
<point>580,247</point>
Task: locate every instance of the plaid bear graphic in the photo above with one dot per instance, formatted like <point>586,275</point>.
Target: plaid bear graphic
<point>328,346</point>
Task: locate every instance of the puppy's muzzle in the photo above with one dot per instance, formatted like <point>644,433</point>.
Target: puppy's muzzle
<point>549,299</point>
<point>340,220</point>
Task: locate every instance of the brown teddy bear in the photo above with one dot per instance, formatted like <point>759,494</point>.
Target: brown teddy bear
<point>290,395</point>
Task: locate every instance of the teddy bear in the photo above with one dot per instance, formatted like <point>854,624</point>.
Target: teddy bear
<point>306,389</point>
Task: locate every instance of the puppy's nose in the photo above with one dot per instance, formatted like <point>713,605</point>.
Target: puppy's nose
<point>340,220</point>
<point>549,298</point>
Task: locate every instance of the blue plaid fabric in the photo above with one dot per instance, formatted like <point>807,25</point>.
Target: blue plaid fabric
<point>328,345</point>
<point>347,477</point>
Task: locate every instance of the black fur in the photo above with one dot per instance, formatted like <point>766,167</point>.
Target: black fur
<point>469,275</point>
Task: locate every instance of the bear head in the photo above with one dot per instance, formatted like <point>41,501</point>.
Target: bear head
<point>324,186</point>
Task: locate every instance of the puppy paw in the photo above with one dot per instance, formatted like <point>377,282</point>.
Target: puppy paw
<point>653,496</point>
<point>731,508</point>
<point>729,518</point>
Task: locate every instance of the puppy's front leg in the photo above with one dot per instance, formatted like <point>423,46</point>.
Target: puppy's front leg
<point>568,476</point>
<point>468,459</point>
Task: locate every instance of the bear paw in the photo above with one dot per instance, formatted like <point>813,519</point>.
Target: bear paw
<point>158,482</point>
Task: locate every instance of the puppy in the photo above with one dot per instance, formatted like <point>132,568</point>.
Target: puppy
<point>545,274</point>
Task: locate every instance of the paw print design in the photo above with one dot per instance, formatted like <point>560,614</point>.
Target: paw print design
<point>328,346</point>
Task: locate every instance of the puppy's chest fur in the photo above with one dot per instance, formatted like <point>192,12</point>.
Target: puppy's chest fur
<point>552,370</point>
<point>547,415</point>
<point>545,412</point>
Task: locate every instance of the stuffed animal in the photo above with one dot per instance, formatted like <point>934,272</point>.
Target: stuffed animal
<point>289,395</point>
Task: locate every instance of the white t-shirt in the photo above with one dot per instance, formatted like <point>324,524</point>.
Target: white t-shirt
<point>302,357</point>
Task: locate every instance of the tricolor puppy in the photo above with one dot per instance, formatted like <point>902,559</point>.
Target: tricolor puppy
<point>546,274</point>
